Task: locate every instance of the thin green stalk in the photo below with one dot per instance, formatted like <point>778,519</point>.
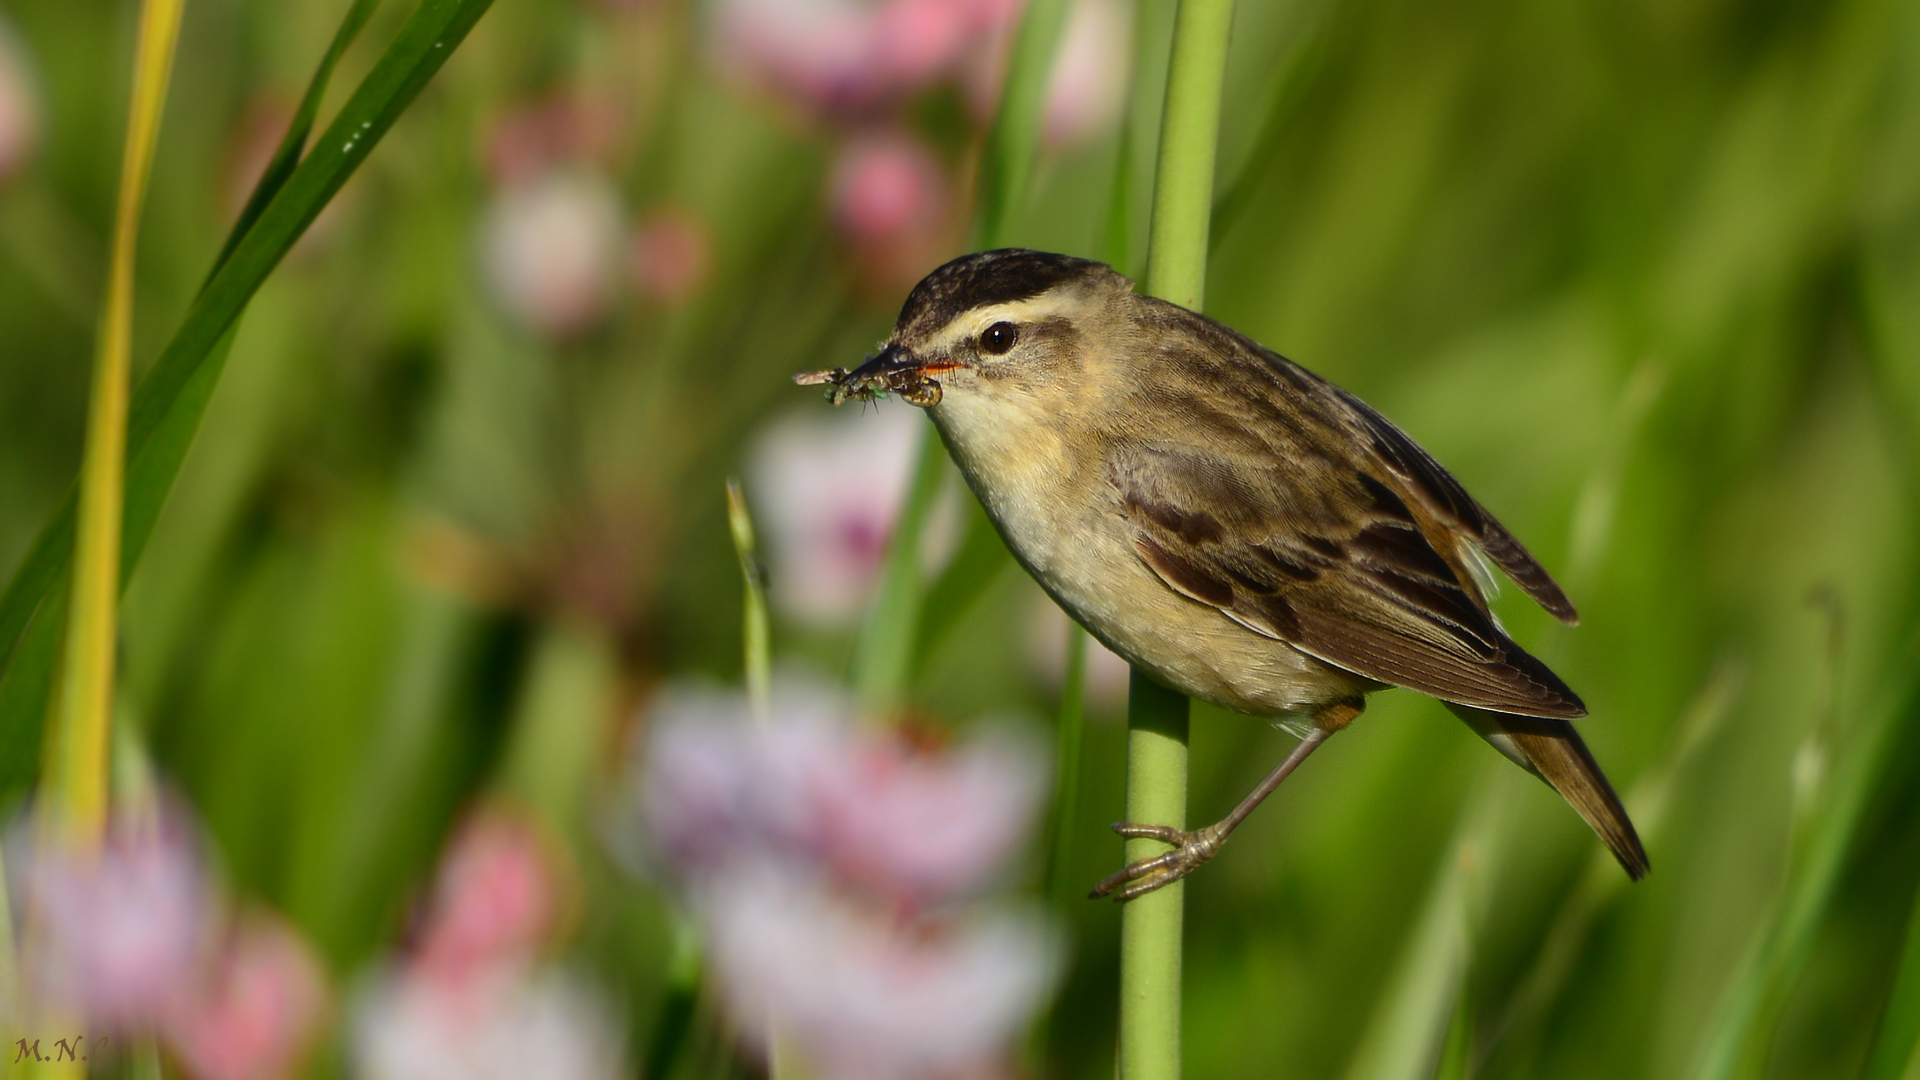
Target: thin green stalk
<point>559,724</point>
<point>1411,1033</point>
<point>684,971</point>
<point>756,637</point>
<point>75,768</point>
<point>1069,733</point>
<point>1189,134</point>
<point>1014,142</point>
<point>1151,926</point>
<point>1520,1028</point>
<point>885,657</point>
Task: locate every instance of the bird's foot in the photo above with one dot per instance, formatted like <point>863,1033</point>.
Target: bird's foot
<point>1190,850</point>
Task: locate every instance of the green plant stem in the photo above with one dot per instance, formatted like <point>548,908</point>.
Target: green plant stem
<point>755,633</point>
<point>883,657</point>
<point>1151,926</point>
<point>684,971</point>
<point>888,650</point>
<point>77,753</point>
<point>1189,133</point>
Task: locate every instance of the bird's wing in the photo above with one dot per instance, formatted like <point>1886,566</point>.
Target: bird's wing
<point>1437,492</point>
<point>1270,507</point>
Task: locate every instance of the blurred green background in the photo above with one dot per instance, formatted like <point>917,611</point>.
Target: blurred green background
<point>1645,275</point>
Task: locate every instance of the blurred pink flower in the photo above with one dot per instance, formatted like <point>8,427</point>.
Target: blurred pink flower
<point>862,996</point>
<point>1088,87</point>
<point>672,251</point>
<point>469,1002</point>
<point>861,801</point>
<point>551,247</point>
<point>567,130</point>
<point>258,1010</point>
<point>826,861</point>
<point>827,487</point>
<point>411,1026</point>
<point>113,935</point>
<point>496,900</point>
<point>891,198</point>
<point>250,147</point>
<point>19,105</point>
<point>927,825</point>
<point>850,54</point>
<point>1107,673</point>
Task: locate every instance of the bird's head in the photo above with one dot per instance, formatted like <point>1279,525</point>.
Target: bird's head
<point>1001,332</point>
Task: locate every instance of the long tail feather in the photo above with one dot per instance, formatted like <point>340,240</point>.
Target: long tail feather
<point>1554,751</point>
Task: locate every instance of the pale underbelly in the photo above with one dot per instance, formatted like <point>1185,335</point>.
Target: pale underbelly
<point>1190,646</point>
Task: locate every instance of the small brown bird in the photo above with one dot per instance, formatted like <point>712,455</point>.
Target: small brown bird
<point>1243,530</point>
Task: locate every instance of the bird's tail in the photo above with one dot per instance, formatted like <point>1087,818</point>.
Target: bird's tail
<point>1553,751</point>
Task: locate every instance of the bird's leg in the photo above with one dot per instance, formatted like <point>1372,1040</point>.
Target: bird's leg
<point>1194,847</point>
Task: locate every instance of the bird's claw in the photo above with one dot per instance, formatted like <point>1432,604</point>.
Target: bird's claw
<point>1190,850</point>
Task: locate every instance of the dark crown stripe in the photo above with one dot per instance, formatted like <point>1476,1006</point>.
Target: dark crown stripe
<point>1002,276</point>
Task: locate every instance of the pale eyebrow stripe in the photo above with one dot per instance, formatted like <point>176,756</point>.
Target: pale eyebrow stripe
<point>970,323</point>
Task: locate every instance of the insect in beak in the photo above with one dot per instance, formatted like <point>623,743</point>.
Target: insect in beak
<point>892,370</point>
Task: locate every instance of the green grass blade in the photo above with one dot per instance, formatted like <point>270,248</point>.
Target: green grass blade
<point>76,768</point>
<point>286,157</point>
<point>983,557</point>
<point>1519,1030</point>
<point>1739,1038</point>
<point>1894,1045</point>
<point>1408,1036</point>
<point>167,406</point>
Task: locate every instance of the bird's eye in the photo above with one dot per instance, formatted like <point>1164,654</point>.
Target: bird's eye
<point>999,337</point>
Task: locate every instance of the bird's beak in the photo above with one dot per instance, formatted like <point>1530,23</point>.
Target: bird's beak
<point>892,360</point>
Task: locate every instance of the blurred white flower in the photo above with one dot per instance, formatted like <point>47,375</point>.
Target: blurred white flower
<point>862,996</point>
<point>716,784</point>
<point>114,934</point>
<point>850,54</point>
<point>412,1026</point>
<point>551,246</point>
<point>1107,673</point>
<point>827,487</point>
<point>256,1012</point>
<point>19,105</point>
<point>891,199</point>
<point>496,899</point>
<point>1088,87</point>
<point>863,802</point>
